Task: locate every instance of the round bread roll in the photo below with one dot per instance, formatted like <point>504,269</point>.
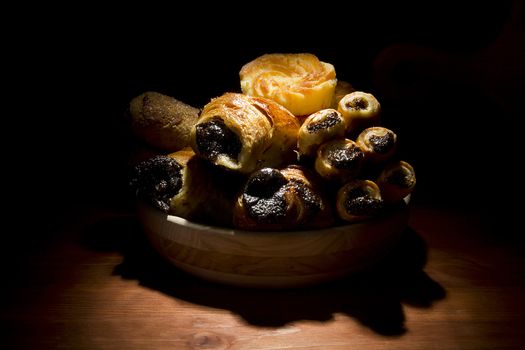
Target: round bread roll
<point>162,121</point>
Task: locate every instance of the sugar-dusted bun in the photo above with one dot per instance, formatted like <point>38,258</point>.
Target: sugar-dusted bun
<point>162,121</point>
<point>299,82</point>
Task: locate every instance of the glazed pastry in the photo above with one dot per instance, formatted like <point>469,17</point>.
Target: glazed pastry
<point>162,121</point>
<point>185,185</point>
<point>378,143</point>
<point>358,200</point>
<point>361,110</point>
<point>299,82</point>
<point>339,159</point>
<point>396,181</point>
<point>244,133</point>
<point>287,199</point>
<point>342,89</point>
<point>318,128</point>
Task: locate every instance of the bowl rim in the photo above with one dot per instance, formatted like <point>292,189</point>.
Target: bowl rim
<point>233,231</point>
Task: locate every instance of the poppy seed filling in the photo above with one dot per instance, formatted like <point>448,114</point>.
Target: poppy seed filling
<point>359,202</point>
<point>382,144</point>
<point>345,158</point>
<point>213,137</point>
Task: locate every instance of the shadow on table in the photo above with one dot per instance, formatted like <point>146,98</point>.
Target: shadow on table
<point>373,297</point>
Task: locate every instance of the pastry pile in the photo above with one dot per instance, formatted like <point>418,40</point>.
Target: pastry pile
<point>297,149</point>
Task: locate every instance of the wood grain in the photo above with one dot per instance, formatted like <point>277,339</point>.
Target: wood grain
<point>448,285</point>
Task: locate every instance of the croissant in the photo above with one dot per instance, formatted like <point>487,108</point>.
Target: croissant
<point>185,185</point>
<point>207,192</point>
<point>377,143</point>
<point>245,133</point>
<point>339,159</point>
<point>396,181</point>
<point>299,82</point>
<point>361,110</point>
<point>318,128</point>
<point>286,199</point>
<point>358,200</point>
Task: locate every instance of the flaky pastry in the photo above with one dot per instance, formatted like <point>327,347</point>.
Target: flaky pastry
<point>299,82</point>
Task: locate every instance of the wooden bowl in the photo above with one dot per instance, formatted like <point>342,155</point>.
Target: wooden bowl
<point>271,259</point>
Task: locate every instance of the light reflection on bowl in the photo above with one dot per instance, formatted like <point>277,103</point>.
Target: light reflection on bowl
<point>272,259</point>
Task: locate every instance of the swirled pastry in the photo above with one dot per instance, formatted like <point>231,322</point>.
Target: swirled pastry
<point>299,82</point>
<point>342,89</point>
<point>339,159</point>
<point>378,143</point>
<point>358,200</point>
<point>318,128</point>
<point>396,181</point>
<point>245,133</point>
<point>286,199</point>
<point>361,110</point>
<point>162,121</point>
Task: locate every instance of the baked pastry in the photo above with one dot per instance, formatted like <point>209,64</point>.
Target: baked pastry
<point>156,180</point>
<point>378,143</point>
<point>358,200</point>
<point>299,82</point>
<point>339,159</point>
<point>286,199</point>
<point>396,181</point>
<point>318,128</point>
<point>185,185</point>
<point>207,193</point>
<point>244,133</point>
<point>162,121</point>
<point>361,110</point>
<point>342,89</point>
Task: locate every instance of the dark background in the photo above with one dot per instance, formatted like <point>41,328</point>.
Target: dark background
<point>448,77</point>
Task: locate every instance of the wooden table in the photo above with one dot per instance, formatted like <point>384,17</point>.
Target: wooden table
<point>451,284</point>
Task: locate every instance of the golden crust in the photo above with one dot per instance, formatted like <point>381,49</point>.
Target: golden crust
<point>378,143</point>
<point>299,82</point>
<point>350,157</point>
<point>267,131</point>
<point>318,128</point>
<point>361,110</point>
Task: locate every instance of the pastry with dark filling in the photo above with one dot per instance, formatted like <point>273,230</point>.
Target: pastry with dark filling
<point>319,127</point>
<point>245,133</point>
<point>286,199</point>
<point>358,200</point>
<point>396,181</point>
<point>339,159</point>
<point>378,143</point>
<point>360,110</point>
<point>185,185</point>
